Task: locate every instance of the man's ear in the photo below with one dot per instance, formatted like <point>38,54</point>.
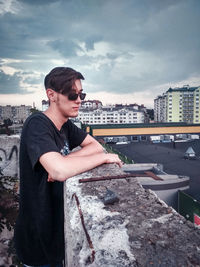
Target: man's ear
<point>51,94</point>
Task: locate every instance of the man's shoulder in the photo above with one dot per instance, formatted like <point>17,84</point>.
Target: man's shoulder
<point>36,116</point>
<point>36,121</point>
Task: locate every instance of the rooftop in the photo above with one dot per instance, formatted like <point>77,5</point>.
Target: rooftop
<point>172,159</point>
<point>137,229</point>
<point>182,89</point>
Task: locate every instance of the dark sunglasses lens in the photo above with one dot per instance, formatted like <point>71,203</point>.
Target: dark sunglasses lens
<point>74,96</point>
<point>82,96</point>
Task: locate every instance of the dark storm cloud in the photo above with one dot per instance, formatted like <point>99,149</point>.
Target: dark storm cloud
<point>10,84</point>
<point>17,39</point>
<point>38,2</point>
<point>123,46</point>
<point>66,48</point>
<point>91,40</point>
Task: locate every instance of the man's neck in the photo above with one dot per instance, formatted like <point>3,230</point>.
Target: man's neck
<point>55,117</point>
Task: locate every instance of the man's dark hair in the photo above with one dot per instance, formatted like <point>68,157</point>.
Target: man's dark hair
<point>62,79</point>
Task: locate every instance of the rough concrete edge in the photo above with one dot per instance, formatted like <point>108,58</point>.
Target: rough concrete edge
<point>109,240</point>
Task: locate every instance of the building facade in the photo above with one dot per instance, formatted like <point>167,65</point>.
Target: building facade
<point>15,113</point>
<point>45,105</point>
<point>178,105</point>
<point>93,112</point>
<point>113,114</point>
<point>91,104</point>
<point>160,104</point>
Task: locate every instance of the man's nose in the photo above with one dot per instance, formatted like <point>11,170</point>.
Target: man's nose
<point>78,99</point>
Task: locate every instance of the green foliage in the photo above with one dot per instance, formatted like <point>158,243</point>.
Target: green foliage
<point>7,122</point>
<point>8,213</point>
<point>33,110</point>
<point>150,112</point>
<point>8,207</point>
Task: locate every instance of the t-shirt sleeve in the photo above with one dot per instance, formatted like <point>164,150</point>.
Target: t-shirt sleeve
<point>75,134</point>
<point>39,139</point>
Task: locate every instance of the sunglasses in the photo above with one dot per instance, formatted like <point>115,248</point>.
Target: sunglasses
<point>73,96</point>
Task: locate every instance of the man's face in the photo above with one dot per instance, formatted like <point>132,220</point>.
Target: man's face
<point>69,108</point>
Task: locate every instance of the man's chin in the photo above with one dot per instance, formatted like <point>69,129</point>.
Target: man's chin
<point>74,115</point>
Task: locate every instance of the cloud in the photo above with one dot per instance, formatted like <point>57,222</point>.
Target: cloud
<point>10,84</point>
<point>38,2</point>
<point>9,6</point>
<point>67,48</point>
<point>121,47</point>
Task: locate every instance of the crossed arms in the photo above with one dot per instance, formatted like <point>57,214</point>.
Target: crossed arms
<point>90,156</point>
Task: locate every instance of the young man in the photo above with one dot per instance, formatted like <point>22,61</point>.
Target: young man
<point>45,162</point>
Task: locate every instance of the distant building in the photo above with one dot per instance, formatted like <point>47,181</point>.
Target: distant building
<point>93,112</point>
<point>45,105</point>
<point>160,104</point>
<point>178,105</point>
<point>91,104</point>
<point>114,114</point>
<point>15,113</point>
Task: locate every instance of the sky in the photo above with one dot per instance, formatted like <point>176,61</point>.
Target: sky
<point>129,51</point>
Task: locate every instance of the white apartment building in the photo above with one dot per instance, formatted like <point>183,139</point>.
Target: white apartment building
<point>93,112</point>
<point>45,105</point>
<point>111,116</point>
<point>160,104</point>
<point>88,104</point>
<point>91,104</point>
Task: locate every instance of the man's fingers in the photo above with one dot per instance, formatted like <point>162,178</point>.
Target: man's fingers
<point>114,158</point>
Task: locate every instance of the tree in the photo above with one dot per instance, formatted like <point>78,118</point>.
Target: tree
<point>150,112</point>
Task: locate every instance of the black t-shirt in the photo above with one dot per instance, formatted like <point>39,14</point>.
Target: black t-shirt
<point>39,230</point>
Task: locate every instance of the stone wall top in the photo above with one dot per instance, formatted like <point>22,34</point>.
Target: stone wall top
<point>138,229</point>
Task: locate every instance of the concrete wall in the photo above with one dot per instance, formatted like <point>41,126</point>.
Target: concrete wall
<point>137,230</point>
<point>9,155</point>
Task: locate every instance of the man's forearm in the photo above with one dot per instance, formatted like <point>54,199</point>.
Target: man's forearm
<point>71,166</point>
<point>89,146</point>
<point>90,149</point>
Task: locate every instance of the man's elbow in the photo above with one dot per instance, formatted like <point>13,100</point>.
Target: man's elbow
<point>58,174</point>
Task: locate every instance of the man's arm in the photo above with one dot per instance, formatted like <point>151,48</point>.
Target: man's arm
<point>61,167</point>
<point>89,146</point>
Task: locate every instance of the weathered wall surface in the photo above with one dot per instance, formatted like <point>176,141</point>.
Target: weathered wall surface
<point>9,173</point>
<point>8,214</point>
<point>9,155</point>
<point>137,230</point>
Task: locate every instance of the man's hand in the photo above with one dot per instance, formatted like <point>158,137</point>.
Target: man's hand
<point>113,158</point>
